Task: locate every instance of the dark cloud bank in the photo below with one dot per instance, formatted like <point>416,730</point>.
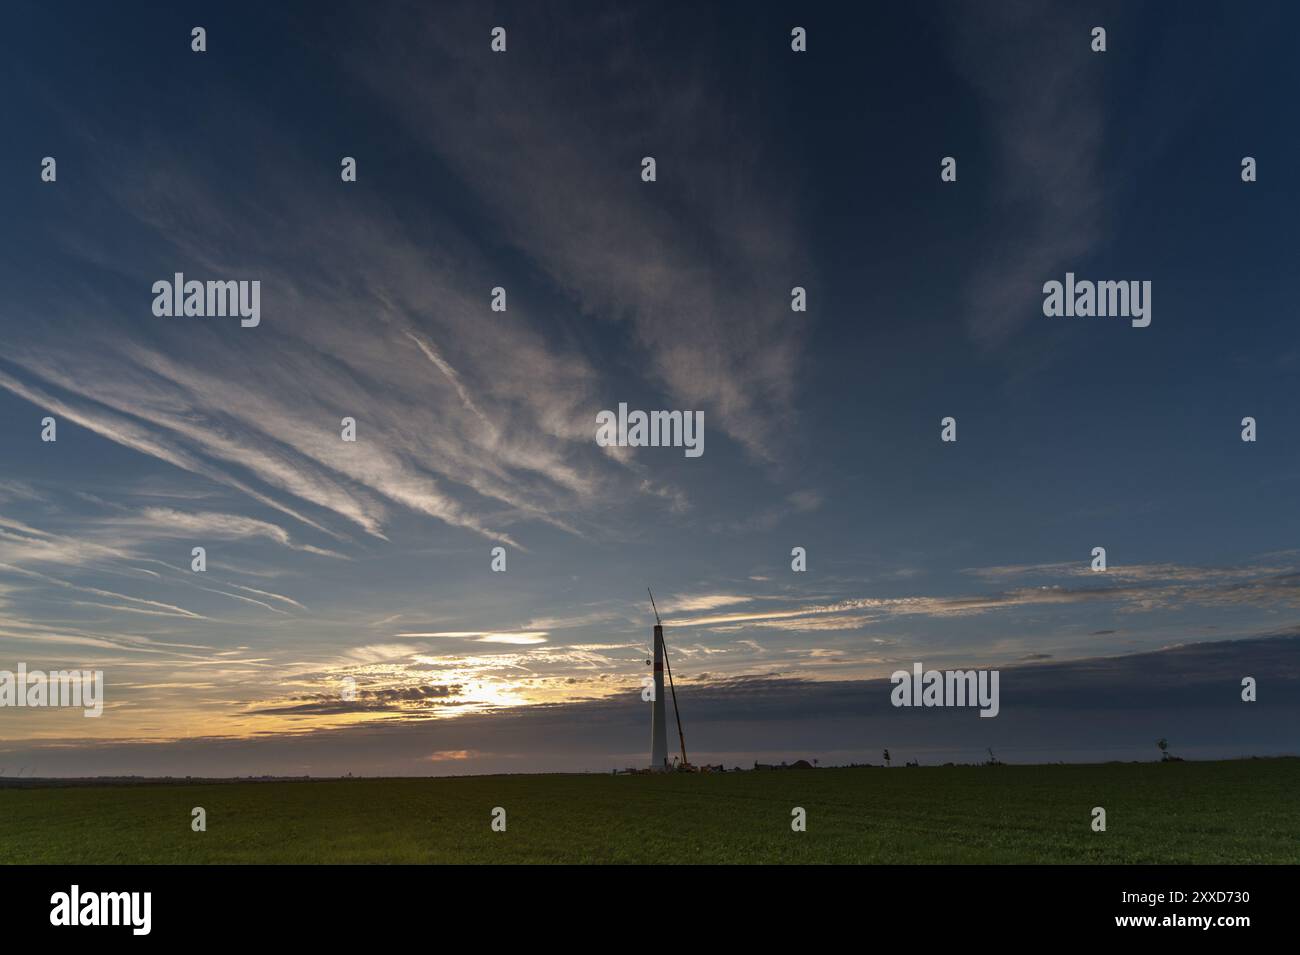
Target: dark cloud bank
<point>1083,711</point>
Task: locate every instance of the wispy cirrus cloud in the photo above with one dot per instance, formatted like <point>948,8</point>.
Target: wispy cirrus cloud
<point>518,638</point>
<point>169,522</point>
<point>1135,588</point>
<point>1040,86</point>
<point>131,434</point>
<point>718,338</point>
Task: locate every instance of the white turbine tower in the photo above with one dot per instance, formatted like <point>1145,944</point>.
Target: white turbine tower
<point>658,714</point>
<point>658,718</point>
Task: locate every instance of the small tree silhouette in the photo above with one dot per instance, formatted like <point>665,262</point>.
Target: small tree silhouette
<point>886,758</point>
<point>1164,749</point>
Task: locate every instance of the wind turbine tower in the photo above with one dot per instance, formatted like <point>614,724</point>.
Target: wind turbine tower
<point>658,710</point>
<point>658,716</point>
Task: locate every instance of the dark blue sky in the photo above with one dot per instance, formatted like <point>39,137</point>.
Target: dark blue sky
<point>476,429</point>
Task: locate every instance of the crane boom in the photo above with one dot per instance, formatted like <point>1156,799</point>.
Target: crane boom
<point>681,737</point>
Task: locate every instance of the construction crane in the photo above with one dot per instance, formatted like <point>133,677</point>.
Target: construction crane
<point>662,649</point>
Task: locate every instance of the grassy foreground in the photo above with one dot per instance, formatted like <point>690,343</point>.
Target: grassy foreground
<point>1244,811</point>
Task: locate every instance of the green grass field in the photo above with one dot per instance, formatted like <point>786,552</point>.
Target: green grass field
<point>1244,811</point>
